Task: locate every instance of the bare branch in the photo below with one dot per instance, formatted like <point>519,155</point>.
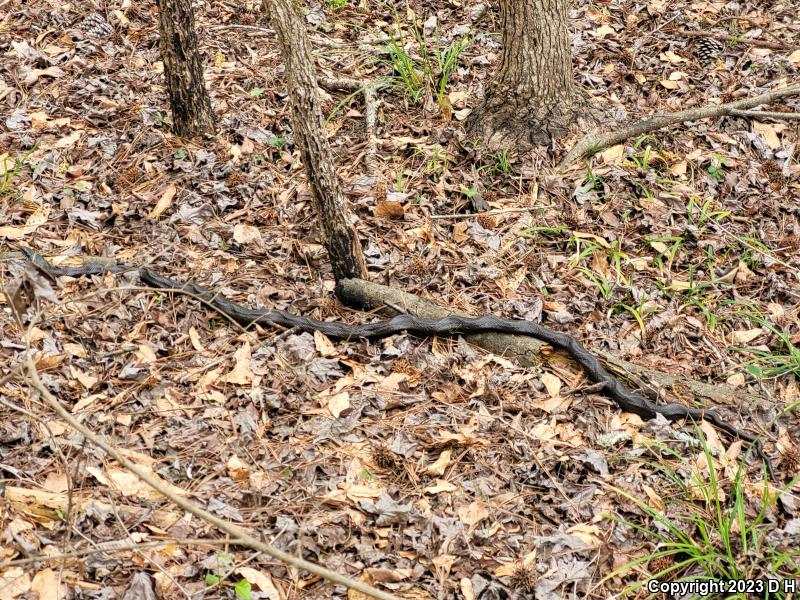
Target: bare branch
<point>726,37</point>
<point>244,537</point>
<point>762,114</point>
<point>594,142</point>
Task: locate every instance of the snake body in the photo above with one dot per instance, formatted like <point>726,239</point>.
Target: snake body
<point>448,326</point>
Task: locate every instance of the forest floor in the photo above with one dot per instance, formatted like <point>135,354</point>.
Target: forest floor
<point>423,466</point>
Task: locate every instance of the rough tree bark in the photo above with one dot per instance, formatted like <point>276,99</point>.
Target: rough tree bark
<point>532,97</point>
<point>191,106</point>
<point>337,232</point>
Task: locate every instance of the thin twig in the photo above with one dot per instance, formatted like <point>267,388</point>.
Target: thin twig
<point>596,141</point>
<point>369,89</point>
<point>245,539</point>
<point>762,114</point>
<point>318,41</point>
<point>115,546</point>
<point>499,211</point>
<point>726,37</point>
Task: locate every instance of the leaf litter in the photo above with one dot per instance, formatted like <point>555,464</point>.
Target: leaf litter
<point>419,465</point>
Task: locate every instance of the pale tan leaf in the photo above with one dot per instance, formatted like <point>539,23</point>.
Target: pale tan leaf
<point>46,585</point>
<point>338,403</point>
<point>552,384</point>
<point>261,580</point>
<point>438,467</point>
<point>324,345</point>
<point>768,134</point>
<point>473,513</point>
<point>745,336</point>
<point>241,373</point>
<point>164,202</point>
<point>246,234</point>
<point>238,470</point>
<point>439,487</point>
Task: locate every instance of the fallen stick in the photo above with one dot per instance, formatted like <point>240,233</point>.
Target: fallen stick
<point>243,536</point>
<point>594,142</point>
<point>369,89</point>
<point>524,350</point>
<point>762,114</point>
<point>726,37</point>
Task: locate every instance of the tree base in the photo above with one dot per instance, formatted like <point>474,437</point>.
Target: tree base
<point>501,124</point>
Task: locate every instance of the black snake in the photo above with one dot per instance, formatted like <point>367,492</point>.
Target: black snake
<point>449,326</point>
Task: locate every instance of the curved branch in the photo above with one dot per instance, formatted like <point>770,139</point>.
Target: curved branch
<point>592,143</point>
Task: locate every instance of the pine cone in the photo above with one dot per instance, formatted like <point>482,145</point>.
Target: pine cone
<point>708,50</point>
<point>95,26</point>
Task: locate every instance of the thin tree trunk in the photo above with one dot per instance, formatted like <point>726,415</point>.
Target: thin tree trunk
<point>337,233</point>
<point>191,106</point>
<point>532,97</point>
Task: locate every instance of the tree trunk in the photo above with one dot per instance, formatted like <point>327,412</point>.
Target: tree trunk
<point>532,97</point>
<point>337,233</point>
<point>191,107</point>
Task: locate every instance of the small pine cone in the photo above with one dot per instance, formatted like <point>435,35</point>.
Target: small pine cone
<point>532,261</point>
<point>524,578</point>
<point>403,365</point>
<point>708,50</point>
<point>659,564</point>
<point>488,222</point>
<point>384,458</point>
<point>96,26</point>
<point>791,459</point>
<point>329,306</point>
<point>790,242</point>
<point>127,178</point>
<point>418,267</point>
<point>774,173</point>
<point>234,179</point>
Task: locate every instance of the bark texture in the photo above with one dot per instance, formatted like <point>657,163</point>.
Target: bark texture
<point>191,106</point>
<point>532,97</point>
<point>337,232</point>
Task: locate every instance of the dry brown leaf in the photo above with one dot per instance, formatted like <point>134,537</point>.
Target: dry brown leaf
<point>47,586</point>
<point>261,580</point>
<point>37,218</point>
<point>238,470</point>
<point>241,373</point>
<point>164,202</point>
<point>194,337</point>
<point>389,210</point>
<point>324,345</point>
<point>467,589</point>
<point>473,513</point>
<point>86,380</point>
<point>768,133</point>
<point>391,383</point>
<point>246,234</point>
<point>338,403</point>
<point>745,336</point>
<point>439,487</point>
<point>613,154</point>
<point>438,467</point>
<point>129,484</point>
<point>590,534</point>
<point>383,575</point>
<point>552,384</point>
<point>14,582</point>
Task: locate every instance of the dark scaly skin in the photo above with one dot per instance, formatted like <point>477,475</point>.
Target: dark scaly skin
<point>448,326</point>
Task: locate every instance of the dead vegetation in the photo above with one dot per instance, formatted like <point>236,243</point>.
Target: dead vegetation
<point>427,468</point>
